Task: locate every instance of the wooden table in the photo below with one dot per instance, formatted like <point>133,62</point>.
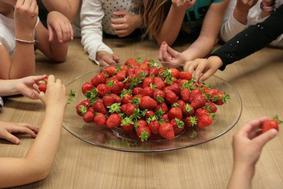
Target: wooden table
<point>259,80</point>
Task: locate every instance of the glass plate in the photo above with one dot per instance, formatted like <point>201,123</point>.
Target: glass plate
<point>226,117</point>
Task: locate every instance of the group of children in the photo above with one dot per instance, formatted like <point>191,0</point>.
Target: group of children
<point>49,25</point>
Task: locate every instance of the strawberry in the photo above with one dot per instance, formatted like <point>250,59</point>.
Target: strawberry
<point>170,96</point>
<point>188,109</point>
<point>137,90</point>
<point>149,114</point>
<point>148,103</point>
<point>165,117</point>
<point>154,127</point>
<point>166,130</point>
<point>115,108</point>
<point>99,119</point>
<point>175,112</point>
<point>42,85</point>
<point>178,125</point>
<point>221,98</point>
<point>127,98</point>
<point>86,87</point>
<point>185,95</point>
<point>191,121</point>
<point>110,70</point>
<point>147,81</point>
<point>159,83</point>
<point>204,121</point>
<point>210,107</point>
<point>147,91</point>
<point>143,133</point>
<point>127,125</point>
<point>85,102</point>
<point>114,120</point>
<point>185,75</point>
<point>96,80</point>
<point>270,124</point>
<point>153,71</point>
<point>141,123</point>
<point>198,102</point>
<point>88,116</point>
<point>175,88</point>
<point>116,86</point>
<point>180,104</point>
<point>102,89</point>
<point>200,112</point>
<point>128,109</point>
<point>131,62</point>
<point>175,72</point>
<point>194,94</point>
<point>159,95</point>
<point>98,106</point>
<point>81,109</point>
<point>121,75</point>
<point>163,107</point>
<point>108,100</point>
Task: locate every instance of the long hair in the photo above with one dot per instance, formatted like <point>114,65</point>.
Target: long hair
<point>155,12</point>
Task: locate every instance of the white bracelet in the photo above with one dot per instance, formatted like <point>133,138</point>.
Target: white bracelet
<point>25,41</point>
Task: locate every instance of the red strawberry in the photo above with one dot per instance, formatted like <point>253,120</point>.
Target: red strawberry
<point>178,125</point>
<point>153,71</point>
<point>147,81</point>
<point>98,106</point>
<point>102,89</point>
<point>86,87</point>
<point>85,102</point>
<point>96,80</point>
<point>198,102</point>
<point>159,83</point>
<point>159,95</point>
<point>127,125</point>
<point>128,109</point>
<point>162,107</point>
<point>188,109</point>
<point>185,75</point>
<point>191,121</point>
<point>116,98</point>
<point>175,73</point>
<point>127,98</point>
<point>110,70</point>
<point>141,123</point>
<point>175,88</point>
<point>221,98</point>
<point>210,107</point>
<point>148,103</point>
<point>204,121</point>
<point>170,96</point>
<point>42,85</point>
<point>117,87</point>
<point>114,120</point>
<point>270,124</point>
<point>81,109</point>
<point>147,91</point>
<point>121,75</point>
<point>131,62</point>
<point>99,119</point>
<point>201,112</point>
<point>175,112</point>
<point>137,90</point>
<point>180,104</point>
<point>88,116</point>
<point>185,94</point>
<point>165,117</point>
<point>143,133</point>
<point>154,127</point>
<point>166,130</point>
<point>194,94</point>
<point>149,113</point>
<point>108,100</point>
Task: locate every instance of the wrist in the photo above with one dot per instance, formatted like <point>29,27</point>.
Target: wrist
<point>29,36</point>
<point>55,109</point>
<point>245,167</point>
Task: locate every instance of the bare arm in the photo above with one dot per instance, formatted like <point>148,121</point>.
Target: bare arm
<point>209,35</point>
<point>37,163</point>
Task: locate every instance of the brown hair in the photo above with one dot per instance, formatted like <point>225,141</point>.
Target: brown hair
<point>155,12</point>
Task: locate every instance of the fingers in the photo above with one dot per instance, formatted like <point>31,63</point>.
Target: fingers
<point>265,137</point>
<point>207,74</point>
<point>22,130</point>
<point>119,26</point>
<point>120,13</point>
<point>115,21</point>
<point>171,51</point>
<point>251,126</point>
<point>202,65</point>
<point>122,33</point>
<point>50,33</point>
<point>11,138</point>
<point>116,58</point>
<point>51,79</point>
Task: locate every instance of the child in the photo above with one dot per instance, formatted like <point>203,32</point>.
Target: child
<point>245,43</point>
<point>37,163</point>
<point>201,15</point>
<point>116,17</point>
<point>240,15</point>
<point>247,147</point>
<point>20,29</point>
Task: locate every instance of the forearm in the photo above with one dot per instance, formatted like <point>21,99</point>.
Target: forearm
<point>53,50</point>
<point>171,26</point>
<point>8,87</point>
<point>5,62</point>
<point>241,177</point>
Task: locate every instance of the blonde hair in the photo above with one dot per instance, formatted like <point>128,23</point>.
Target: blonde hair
<point>155,12</point>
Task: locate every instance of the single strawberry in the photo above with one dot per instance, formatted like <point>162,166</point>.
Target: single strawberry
<point>127,98</point>
<point>201,111</point>
<point>154,127</point>
<point>102,89</point>
<point>159,95</point>
<point>185,75</point>
<point>166,130</point>
<point>110,70</point>
<point>128,109</point>
<point>175,72</point>
<point>86,87</point>
<point>175,112</point>
<point>198,102</point>
<point>178,125</point>
<point>185,95</point>
<point>149,114</point>
<point>147,81</point>
<point>81,109</point>
<point>147,91</point>
<point>180,104</point>
<point>131,62</point>
<point>117,87</point>
<point>148,103</point>
<point>121,75</point>
<point>159,83</point>
<point>170,96</point>
<point>153,71</point>
<point>127,125</point>
<point>114,108</point>
<point>191,121</point>
<point>210,107</point>
<point>42,85</point>
<point>194,94</point>
<point>163,107</point>
<point>270,124</point>
<point>137,90</point>
<point>143,133</point>
<point>108,100</point>
<point>174,87</point>
<point>165,117</point>
<point>96,80</point>
<point>99,119</point>
<point>88,116</point>
<point>114,120</point>
<point>204,121</point>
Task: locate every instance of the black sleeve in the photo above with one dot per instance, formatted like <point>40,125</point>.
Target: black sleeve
<point>251,39</point>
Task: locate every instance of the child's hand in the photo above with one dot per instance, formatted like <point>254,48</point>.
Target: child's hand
<point>55,95</point>
<point>184,4</point>
<point>25,14</point>
<point>59,27</point>
<point>170,57</point>
<point>247,144</point>
<point>203,68</point>
<point>106,59</point>
<point>124,23</point>
<point>25,86</point>
<point>7,129</point>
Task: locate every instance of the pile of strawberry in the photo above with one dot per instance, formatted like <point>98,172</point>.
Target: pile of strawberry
<point>148,100</point>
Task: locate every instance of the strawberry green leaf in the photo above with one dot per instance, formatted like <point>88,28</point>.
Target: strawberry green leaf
<point>115,108</point>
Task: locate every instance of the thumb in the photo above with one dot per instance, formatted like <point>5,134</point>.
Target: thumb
<point>265,137</point>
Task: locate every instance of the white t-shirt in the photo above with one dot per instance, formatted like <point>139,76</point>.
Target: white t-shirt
<point>232,27</point>
<point>7,33</point>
